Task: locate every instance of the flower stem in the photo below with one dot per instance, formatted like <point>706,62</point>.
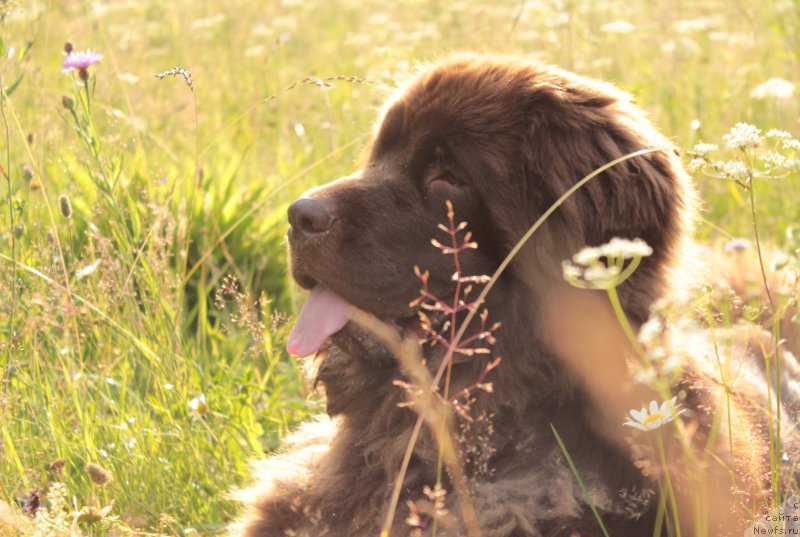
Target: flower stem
<point>774,431</point>
<point>616,305</point>
<point>751,190</point>
<point>670,490</point>
<point>7,173</point>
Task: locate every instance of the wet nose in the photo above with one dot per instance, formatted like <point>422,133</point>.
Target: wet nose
<point>309,216</point>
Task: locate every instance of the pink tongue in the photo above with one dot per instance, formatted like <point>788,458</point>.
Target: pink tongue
<point>324,313</point>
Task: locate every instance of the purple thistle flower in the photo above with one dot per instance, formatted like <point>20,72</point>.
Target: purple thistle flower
<point>737,245</point>
<point>81,60</point>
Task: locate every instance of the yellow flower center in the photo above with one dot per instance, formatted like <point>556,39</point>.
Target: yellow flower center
<point>652,418</point>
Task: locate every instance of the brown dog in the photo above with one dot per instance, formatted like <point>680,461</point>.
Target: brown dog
<point>502,139</point>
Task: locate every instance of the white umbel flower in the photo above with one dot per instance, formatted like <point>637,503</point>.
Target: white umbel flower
<point>703,149</point>
<point>775,88</point>
<point>588,270</point>
<point>626,249</point>
<point>743,135</point>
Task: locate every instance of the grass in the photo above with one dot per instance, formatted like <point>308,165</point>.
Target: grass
<point>174,188</point>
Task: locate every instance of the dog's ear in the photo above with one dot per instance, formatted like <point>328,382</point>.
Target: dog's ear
<point>577,126</point>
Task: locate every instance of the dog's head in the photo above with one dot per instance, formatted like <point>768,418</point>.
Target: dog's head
<point>502,140</point>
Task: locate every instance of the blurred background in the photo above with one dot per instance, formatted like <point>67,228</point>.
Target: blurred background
<point>144,297</point>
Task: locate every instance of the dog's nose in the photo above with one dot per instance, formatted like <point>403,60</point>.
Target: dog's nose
<point>309,216</point>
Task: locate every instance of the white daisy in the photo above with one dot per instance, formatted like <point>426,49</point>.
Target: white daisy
<point>654,418</point>
<point>198,404</point>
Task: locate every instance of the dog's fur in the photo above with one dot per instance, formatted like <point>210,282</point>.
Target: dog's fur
<point>503,139</point>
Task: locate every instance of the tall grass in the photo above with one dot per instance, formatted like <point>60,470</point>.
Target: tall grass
<point>132,363</point>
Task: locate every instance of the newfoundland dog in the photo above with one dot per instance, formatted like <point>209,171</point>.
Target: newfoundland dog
<point>538,434</point>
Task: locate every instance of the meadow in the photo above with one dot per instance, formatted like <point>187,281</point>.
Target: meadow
<point>144,296</point>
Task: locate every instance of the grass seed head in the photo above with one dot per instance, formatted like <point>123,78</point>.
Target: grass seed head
<point>65,205</point>
<point>99,475</point>
<point>178,72</point>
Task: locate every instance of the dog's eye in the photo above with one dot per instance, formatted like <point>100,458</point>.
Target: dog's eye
<point>441,182</point>
<point>437,177</point>
<point>443,176</point>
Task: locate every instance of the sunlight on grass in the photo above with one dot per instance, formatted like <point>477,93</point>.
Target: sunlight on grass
<point>143,328</point>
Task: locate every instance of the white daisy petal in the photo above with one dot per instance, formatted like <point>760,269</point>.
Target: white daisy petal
<point>635,425</point>
<point>638,415</point>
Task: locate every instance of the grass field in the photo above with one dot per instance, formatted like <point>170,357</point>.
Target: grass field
<point>144,332</point>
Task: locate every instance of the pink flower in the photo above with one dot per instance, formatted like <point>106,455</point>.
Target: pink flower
<point>81,60</point>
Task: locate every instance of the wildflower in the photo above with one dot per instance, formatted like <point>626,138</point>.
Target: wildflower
<point>198,404</point>
<point>774,88</point>
<point>99,475</point>
<point>32,503</point>
<point>617,248</point>
<point>570,271</point>
<point>27,172</point>
<point>589,271</point>
<point>651,330</point>
<point>91,515</point>
<point>588,256</point>
<point>626,249</point>
<point>733,169</point>
<point>68,103</point>
<point>656,417</point>
<point>695,124</point>
<point>696,164</point>
<point>65,205</point>
<point>737,245</point>
<point>791,144</point>
<point>601,273</point>
<point>702,149</point>
<point>776,133</point>
<point>773,159</point>
<point>81,61</point>
<point>57,498</point>
<point>617,27</point>
<point>743,135</point>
